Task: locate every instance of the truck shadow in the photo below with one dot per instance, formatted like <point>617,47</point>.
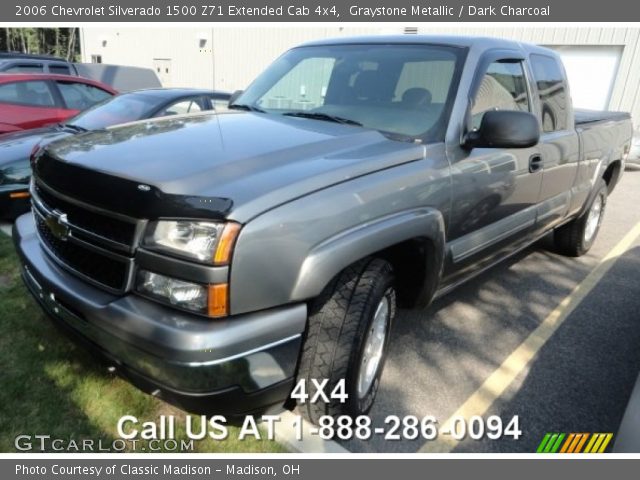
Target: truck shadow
<point>440,355</point>
<point>595,360</point>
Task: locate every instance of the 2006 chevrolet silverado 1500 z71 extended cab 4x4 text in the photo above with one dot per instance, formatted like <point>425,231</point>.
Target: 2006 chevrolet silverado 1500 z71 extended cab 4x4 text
<point>217,259</point>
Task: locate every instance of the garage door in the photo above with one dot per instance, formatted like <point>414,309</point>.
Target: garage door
<point>592,71</point>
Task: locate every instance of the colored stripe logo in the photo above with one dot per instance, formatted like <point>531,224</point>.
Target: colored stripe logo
<point>574,443</point>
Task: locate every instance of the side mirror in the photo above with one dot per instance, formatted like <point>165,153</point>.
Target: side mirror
<point>505,129</point>
<point>234,96</point>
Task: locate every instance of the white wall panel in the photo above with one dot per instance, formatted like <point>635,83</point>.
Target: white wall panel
<point>232,56</point>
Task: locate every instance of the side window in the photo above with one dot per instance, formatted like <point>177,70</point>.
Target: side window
<point>219,104</point>
<point>80,96</point>
<point>503,87</point>
<point>25,68</point>
<point>33,93</point>
<point>552,91</point>
<point>308,82</point>
<point>181,107</point>
<point>59,69</point>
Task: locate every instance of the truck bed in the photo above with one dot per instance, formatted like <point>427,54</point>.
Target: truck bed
<point>584,117</point>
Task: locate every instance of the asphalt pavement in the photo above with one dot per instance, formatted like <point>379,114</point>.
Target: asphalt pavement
<point>580,378</point>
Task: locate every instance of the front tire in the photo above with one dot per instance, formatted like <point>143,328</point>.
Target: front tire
<point>576,237</point>
<point>347,338</point>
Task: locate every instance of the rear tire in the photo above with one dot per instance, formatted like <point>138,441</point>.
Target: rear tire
<point>347,338</point>
<point>576,237</point>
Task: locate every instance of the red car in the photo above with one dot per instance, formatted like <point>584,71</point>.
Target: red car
<point>31,101</point>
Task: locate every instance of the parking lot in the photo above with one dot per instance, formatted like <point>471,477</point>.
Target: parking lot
<point>551,339</point>
<point>468,353</point>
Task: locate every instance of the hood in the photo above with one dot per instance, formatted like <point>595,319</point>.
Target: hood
<point>253,161</point>
<point>17,146</point>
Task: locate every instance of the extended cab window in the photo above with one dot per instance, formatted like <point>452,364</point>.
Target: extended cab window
<point>33,93</point>
<point>503,87</point>
<point>552,90</point>
<point>400,90</point>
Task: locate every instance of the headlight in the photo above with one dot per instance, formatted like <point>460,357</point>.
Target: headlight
<point>209,300</point>
<point>207,242</point>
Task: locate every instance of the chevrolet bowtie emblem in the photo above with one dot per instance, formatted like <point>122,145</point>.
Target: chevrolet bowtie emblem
<point>58,225</point>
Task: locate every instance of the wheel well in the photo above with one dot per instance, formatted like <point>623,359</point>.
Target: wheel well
<point>612,174</point>
<point>413,263</point>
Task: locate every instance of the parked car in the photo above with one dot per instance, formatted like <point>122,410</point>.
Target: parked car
<point>31,101</point>
<point>220,260</point>
<point>15,148</point>
<point>16,62</point>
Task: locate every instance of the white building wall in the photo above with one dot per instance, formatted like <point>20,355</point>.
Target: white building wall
<point>191,65</point>
<point>226,58</point>
<point>231,56</point>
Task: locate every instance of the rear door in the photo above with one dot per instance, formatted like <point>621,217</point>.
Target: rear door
<point>28,104</point>
<point>559,147</point>
<point>494,190</point>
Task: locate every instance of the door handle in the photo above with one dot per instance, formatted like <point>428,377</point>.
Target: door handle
<point>535,163</point>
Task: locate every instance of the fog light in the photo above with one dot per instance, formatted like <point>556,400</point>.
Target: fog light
<point>186,295</point>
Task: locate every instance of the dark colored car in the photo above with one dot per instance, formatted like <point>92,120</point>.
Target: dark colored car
<point>32,101</point>
<point>15,148</point>
<point>17,62</point>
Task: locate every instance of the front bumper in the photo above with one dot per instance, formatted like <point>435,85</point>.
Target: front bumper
<point>232,366</point>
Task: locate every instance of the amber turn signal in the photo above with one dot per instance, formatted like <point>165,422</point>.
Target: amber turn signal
<point>226,243</point>
<point>218,305</point>
<point>16,195</point>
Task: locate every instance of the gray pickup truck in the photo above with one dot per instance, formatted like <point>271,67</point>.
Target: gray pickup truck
<point>219,261</point>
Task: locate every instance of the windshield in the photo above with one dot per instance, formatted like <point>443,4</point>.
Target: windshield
<point>396,89</point>
<point>121,109</point>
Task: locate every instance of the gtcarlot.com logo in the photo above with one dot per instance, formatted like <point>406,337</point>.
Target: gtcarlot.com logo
<point>574,443</point>
<point>45,443</point>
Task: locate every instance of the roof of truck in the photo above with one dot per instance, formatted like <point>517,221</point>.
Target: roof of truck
<point>453,40</point>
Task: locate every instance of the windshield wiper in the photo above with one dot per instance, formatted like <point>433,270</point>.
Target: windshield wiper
<point>71,126</point>
<point>323,116</point>
<point>248,108</point>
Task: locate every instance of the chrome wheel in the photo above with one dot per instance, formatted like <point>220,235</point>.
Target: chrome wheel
<point>593,220</point>
<point>373,347</point>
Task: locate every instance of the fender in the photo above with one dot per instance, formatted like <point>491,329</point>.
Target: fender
<point>603,164</point>
<point>331,256</point>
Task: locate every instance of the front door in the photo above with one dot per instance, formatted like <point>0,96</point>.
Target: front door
<point>494,191</point>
